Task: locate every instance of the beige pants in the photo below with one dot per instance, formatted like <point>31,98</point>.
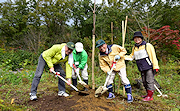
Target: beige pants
<point>123,76</point>
<point>84,73</point>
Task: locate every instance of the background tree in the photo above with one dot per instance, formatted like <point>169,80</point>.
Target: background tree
<point>14,22</point>
<point>165,40</point>
<point>55,14</point>
<point>36,24</point>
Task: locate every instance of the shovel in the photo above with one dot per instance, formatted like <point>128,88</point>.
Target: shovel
<point>156,85</point>
<point>102,89</point>
<point>80,80</point>
<point>163,95</point>
<point>80,92</point>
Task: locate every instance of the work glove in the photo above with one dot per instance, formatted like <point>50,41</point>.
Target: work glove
<point>157,70</point>
<point>117,57</point>
<point>69,81</point>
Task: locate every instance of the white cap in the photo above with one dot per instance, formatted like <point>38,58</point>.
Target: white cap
<point>79,47</point>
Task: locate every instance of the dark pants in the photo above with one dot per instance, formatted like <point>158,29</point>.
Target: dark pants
<point>148,79</point>
<point>39,72</point>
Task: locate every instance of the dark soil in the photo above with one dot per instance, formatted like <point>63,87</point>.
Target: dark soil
<point>76,102</point>
<point>48,100</point>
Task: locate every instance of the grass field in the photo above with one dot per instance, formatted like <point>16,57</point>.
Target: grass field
<point>15,87</point>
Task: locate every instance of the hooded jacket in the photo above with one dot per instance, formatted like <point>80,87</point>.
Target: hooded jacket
<point>80,57</point>
<point>145,56</point>
<point>54,55</point>
<point>106,60</point>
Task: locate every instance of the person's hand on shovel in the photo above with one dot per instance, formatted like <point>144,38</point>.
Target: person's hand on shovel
<point>69,81</point>
<point>155,71</point>
<point>51,69</point>
<point>117,57</point>
<point>77,70</point>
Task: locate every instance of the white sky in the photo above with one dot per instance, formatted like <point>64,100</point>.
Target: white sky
<point>97,1</point>
<point>2,0</point>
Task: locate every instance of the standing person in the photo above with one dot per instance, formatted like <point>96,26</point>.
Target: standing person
<point>80,60</point>
<point>52,57</point>
<point>146,60</point>
<point>106,58</point>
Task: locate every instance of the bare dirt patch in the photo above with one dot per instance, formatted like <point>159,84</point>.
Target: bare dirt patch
<point>75,102</point>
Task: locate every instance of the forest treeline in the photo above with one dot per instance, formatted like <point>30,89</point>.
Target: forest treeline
<point>35,25</point>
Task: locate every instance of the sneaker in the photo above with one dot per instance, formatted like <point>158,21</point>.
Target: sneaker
<point>33,96</point>
<point>62,93</point>
<point>129,98</point>
<point>111,95</point>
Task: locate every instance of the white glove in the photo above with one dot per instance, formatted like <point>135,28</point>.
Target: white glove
<point>117,57</point>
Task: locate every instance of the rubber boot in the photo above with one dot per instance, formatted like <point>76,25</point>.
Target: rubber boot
<point>74,81</point>
<point>110,90</point>
<point>149,96</point>
<point>129,93</point>
<point>86,81</point>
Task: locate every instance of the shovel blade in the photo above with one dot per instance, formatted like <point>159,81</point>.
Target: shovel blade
<point>104,90</point>
<point>164,96</point>
<point>84,84</point>
<point>101,90</point>
<point>83,93</point>
<point>98,91</point>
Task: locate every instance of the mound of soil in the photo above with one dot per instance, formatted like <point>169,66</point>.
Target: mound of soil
<point>76,102</point>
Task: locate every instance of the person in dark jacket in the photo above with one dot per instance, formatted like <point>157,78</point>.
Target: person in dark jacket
<point>146,60</point>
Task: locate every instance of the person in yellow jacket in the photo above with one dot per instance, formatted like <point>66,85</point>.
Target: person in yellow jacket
<point>106,57</point>
<point>146,60</point>
<point>52,57</point>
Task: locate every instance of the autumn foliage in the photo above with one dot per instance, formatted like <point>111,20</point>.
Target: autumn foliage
<point>165,40</point>
<point>165,37</point>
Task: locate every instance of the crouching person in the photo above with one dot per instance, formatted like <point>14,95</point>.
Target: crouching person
<point>80,61</point>
<point>106,58</point>
<point>52,57</point>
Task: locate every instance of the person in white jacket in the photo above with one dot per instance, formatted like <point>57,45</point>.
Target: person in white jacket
<point>146,60</point>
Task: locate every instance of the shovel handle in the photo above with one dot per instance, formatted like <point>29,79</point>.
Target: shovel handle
<point>58,74</point>
<point>77,72</point>
<point>112,67</point>
<point>158,89</point>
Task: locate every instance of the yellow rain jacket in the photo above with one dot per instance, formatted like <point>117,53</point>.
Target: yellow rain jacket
<point>54,56</point>
<point>106,60</point>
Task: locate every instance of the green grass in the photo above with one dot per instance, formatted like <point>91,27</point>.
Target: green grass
<point>18,85</point>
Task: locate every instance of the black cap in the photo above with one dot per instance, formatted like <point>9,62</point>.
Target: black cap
<point>138,34</point>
